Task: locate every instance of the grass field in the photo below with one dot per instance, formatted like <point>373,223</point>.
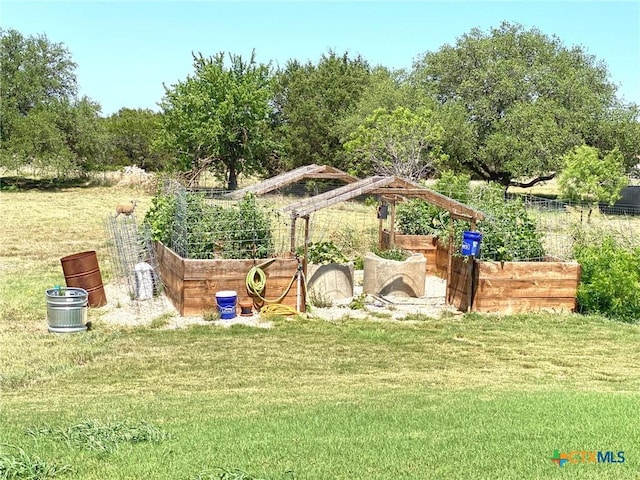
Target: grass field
<point>463,397</point>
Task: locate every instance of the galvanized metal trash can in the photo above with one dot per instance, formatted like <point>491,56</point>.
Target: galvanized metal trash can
<point>67,309</point>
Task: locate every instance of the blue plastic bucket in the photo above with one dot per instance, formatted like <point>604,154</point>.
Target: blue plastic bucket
<point>471,243</point>
<point>226,301</point>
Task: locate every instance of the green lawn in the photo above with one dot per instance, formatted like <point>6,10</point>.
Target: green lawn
<point>477,397</point>
<point>468,397</point>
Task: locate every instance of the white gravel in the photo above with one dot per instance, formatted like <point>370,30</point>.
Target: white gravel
<point>123,311</point>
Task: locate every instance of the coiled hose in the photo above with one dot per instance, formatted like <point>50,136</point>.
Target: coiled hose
<point>257,280</point>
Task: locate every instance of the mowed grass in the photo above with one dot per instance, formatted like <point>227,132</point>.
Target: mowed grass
<point>471,396</point>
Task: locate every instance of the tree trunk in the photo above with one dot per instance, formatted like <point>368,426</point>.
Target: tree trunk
<point>232,182</point>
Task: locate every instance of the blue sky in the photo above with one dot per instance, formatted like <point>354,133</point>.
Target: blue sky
<point>126,50</point>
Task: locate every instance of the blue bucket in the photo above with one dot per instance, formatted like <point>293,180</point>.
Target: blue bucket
<point>226,301</point>
<point>471,243</point>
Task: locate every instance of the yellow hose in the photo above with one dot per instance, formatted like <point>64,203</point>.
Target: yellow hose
<point>277,309</point>
<point>255,286</point>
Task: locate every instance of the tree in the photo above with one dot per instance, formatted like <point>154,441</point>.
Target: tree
<point>384,89</point>
<point>42,121</point>
<point>399,143</point>
<point>525,98</point>
<point>133,132</point>
<point>220,117</point>
<point>63,135</point>
<point>33,72</point>
<point>620,128</point>
<point>588,178</point>
<point>310,100</point>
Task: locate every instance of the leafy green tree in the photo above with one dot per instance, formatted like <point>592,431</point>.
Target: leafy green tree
<point>219,118</point>
<point>35,139</point>
<point>33,72</point>
<point>385,89</point>
<point>524,100</point>
<point>66,136</point>
<point>588,178</point>
<point>620,128</point>
<point>85,135</point>
<point>42,122</point>
<point>310,101</point>
<point>399,143</point>
<point>133,132</point>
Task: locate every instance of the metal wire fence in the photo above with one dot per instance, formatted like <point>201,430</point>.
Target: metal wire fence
<point>133,256</point>
<point>206,223</point>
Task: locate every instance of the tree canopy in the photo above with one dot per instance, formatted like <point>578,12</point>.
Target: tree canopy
<point>590,178</point>
<point>219,117</point>
<point>133,133</point>
<point>504,105</point>
<point>310,101</point>
<point>401,143</point>
<point>526,98</point>
<point>42,122</point>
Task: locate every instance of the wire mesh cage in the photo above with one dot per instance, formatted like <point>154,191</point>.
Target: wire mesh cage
<point>133,257</point>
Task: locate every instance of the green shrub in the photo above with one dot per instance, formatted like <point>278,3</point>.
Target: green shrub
<point>508,233</point>
<point>322,253</point>
<point>248,228</point>
<point>418,217</point>
<point>160,217</point>
<point>202,230</point>
<point>397,254</point>
<point>610,279</point>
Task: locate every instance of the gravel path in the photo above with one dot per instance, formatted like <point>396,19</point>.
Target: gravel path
<point>121,310</point>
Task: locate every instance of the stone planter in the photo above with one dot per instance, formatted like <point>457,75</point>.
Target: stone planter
<point>333,281</point>
<point>392,277</point>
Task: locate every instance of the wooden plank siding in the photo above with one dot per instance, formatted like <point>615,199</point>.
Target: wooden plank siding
<point>171,271</point>
<point>191,285</point>
<point>514,287</point>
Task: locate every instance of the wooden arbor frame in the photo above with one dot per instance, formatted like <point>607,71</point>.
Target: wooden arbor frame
<point>316,172</point>
<point>391,189</point>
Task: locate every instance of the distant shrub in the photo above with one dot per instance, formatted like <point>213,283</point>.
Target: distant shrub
<point>610,279</point>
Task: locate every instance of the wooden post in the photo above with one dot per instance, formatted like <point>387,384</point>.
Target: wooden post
<point>306,245</point>
<point>450,263</point>
<point>470,282</point>
<point>392,227</point>
<point>293,232</point>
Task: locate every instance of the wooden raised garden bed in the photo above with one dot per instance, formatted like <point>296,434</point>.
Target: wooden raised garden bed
<point>435,253</point>
<point>513,287</point>
<point>191,285</point>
